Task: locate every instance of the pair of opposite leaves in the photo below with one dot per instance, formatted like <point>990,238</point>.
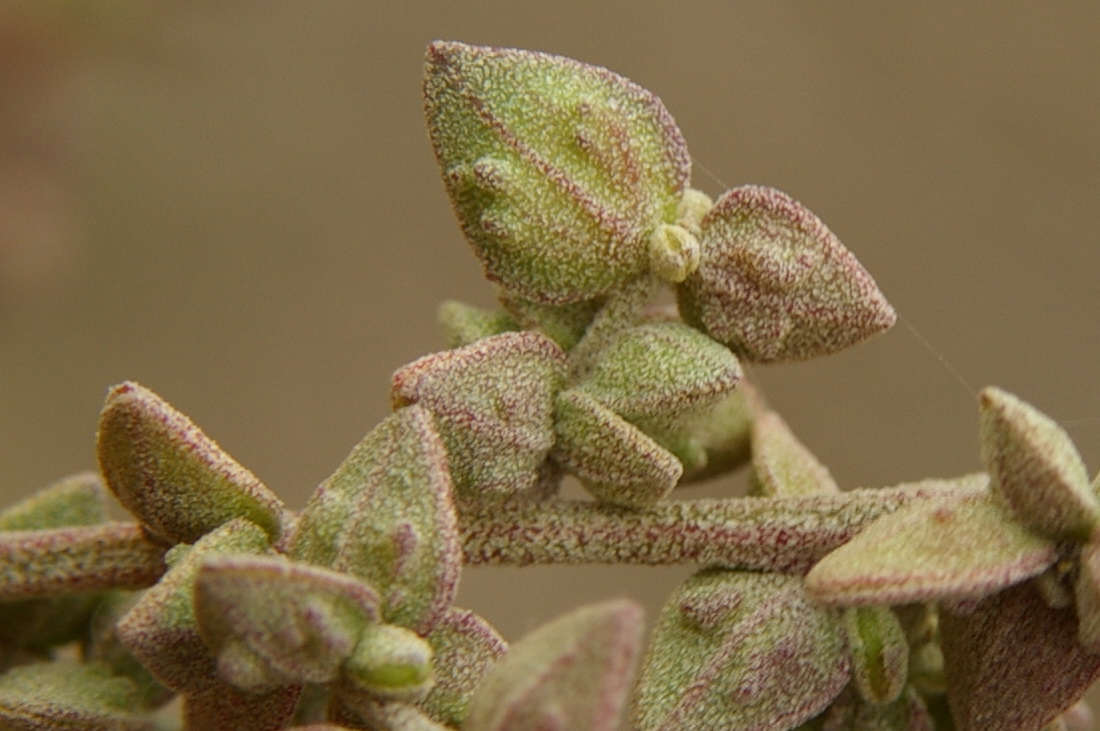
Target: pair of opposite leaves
<point>570,181</point>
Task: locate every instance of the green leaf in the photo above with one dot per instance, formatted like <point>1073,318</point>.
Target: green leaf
<point>614,460</point>
<point>571,673</point>
<point>659,371</point>
<point>954,547</point>
<point>1013,663</point>
<point>560,172</point>
<point>294,623</point>
<point>464,324</point>
<point>879,650</point>
<point>492,402</point>
<point>78,499</point>
<point>386,515</point>
<point>739,650</point>
<point>775,284</point>
<point>389,662</point>
<point>67,695</point>
<point>176,480</point>
<point>1036,469</point>
<point>464,648</point>
<point>161,630</point>
<point>782,465</point>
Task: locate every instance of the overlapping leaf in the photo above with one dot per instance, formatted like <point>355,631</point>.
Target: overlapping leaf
<point>66,695</point>
<point>560,172</point>
<point>465,647</point>
<point>775,284</point>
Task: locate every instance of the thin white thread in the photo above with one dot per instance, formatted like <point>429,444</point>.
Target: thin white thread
<point>938,356</point>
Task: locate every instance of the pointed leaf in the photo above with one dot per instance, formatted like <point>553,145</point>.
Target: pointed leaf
<point>946,548</point>
<point>78,499</point>
<point>775,284</point>
<point>172,477</point>
<point>571,673</point>
<point>781,465</point>
<point>1036,469</point>
<point>660,370</point>
<point>300,622</point>
<point>386,515</point>
<point>464,648</point>
<point>161,631</point>
<point>739,650</point>
<point>66,695</point>
<point>1014,663</point>
<point>464,324</point>
<point>492,402</point>
<point>559,172</point>
<point>614,460</point>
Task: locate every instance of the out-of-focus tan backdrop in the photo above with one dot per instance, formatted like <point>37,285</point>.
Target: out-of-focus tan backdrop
<point>236,204</point>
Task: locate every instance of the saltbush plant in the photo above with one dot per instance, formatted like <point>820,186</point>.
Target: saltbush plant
<point>969,603</point>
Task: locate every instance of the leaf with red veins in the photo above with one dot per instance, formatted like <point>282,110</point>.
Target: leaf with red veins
<point>176,480</point>
<point>782,465</point>
<point>296,622</point>
<point>614,460</point>
<point>1036,469</point>
<point>775,284</point>
<point>68,695</point>
<point>1014,663</point>
<point>386,515</point>
<point>560,172</point>
<point>951,548</point>
<point>573,672</point>
<point>493,405</point>
<point>659,371</point>
<point>161,630</point>
<point>740,650</point>
<point>464,648</point>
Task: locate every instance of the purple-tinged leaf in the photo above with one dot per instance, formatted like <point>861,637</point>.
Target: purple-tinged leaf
<point>464,648</point>
<point>388,663</point>
<point>659,371</point>
<point>102,645</point>
<point>739,650</point>
<point>224,706</point>
<point>176,480</point>
<point>293,623</point>
<point>573,672</point>
<point>614,460</point>
<point>493,403</point>
<point>1014,663</point>
<point>955,547</point>
<point>49,562</point>
<point>559,172</point>
<point>464,324</point>
<point>879,652</point>
<point>386,515</point>
<point>1035,468</point>
<point>79,499</point>
<point>1087,595</point>
<point>161,631</point>
<point>782,465</point>
<point>66,695</point>
<point>775,284</point>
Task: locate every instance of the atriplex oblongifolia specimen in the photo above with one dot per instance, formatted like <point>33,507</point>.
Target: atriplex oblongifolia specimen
<point>970,603</point>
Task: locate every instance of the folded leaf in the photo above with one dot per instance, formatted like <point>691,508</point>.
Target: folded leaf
<point>659,371</point>
<point>879,651</point>
<point>464,648</point>
<point>1035,468</point>
<point>559,172</point>
<point>571,673</point>
<point>739,650</point>
<point>176,480</point>
<point>1013,663</point>
<point>775,284</point>
<point>386,515</point>
<point>492,402</point>
<point>955,547</point>
<point>298,623</point>
<point>614,460</point>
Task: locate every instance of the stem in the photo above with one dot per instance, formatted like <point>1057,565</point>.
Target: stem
<point>787,535</point>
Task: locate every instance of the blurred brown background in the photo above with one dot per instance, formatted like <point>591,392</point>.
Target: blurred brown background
<point>235,204</point>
